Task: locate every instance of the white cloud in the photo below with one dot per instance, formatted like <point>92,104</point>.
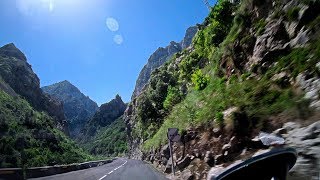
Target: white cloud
<point>118,39</point>
<point>112,24</point>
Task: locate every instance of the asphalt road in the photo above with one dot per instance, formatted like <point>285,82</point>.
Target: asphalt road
<point>120,169</point>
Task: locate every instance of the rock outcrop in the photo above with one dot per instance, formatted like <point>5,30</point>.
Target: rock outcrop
<point>18,78</point>
<point>78,108</point>
<point>274,43</point>
<point>105,115</point>
<point>160,56</point>
<point>306,141</point>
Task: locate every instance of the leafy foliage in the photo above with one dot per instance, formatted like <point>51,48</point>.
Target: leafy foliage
<point>199,80</point>
<point>109,141</point>
<point>174,96</point>
<point>29,138</point>
<point>293,13</point>
<point>218,24</point>
<point>258,97</point>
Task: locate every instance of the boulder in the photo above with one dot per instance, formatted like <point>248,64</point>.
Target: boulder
<point>165,151</point>
<point>216,132</point>
<point>280,131</point>
<point>282,79</point>
<point>168,167</point>
<point>187,175</point>
<point>197,153</point>
<point>301,39</point>
<point>306,141</point>
<point>209,158</point>
<point>270,44</point>
<point>311,86</point>
<point>184,162</point>
<point>219,159</point>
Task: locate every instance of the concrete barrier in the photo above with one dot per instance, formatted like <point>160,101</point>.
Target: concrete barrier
<point>59,169</point>
<point>34,172</point>
<point>11,173</point>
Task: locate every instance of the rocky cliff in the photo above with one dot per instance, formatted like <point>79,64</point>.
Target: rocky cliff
<point>30,121</point>
<point>78,108</point>
<point>19,79</point>
<point>160,56</point>
<point>253,66</point>
<point>106,114</point>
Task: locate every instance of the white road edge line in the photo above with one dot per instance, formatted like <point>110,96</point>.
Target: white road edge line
<point>113,170</point>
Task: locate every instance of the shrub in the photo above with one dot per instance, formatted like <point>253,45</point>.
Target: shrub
<point>293,13</point>
<point>260,26</point>
<point>199,80</point>
<point>174,96</point>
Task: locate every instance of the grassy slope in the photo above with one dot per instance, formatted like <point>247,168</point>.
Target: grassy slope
<point>29,138</point>
<point>259,97</point>
<point>110,140</point>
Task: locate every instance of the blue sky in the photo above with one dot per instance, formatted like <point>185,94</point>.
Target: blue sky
<point>71,39</point>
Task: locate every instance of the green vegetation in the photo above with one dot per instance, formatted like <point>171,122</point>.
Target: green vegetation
<point>199,80</point>
<point>110,141</point>
<point>293,13</point>
<point>218,24</point>
<point>299,60</point>
<point>174,96</point>
<point>256,95</point>
<point>260,26</point>
<point>29,138</point>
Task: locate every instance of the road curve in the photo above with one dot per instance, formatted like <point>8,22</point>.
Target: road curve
<point>120,169</point>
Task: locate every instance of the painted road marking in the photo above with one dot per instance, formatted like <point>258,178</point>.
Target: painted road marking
<point>113,170</point>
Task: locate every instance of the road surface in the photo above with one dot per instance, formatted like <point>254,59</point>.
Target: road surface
<point>120,169</point>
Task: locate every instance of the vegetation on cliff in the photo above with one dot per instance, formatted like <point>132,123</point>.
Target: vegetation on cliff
<point>228,67</point>
<point>29,138</point>
<point>110,140</point>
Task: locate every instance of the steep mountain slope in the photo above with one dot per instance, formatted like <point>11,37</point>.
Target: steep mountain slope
<point>106,114</point>
<point>30,122</point>
<point>78,108</point>
<point>110,140</point>
<point>160,56</point>
<point>252,67</point>
<point>18,78</point>
<point>104,133</point>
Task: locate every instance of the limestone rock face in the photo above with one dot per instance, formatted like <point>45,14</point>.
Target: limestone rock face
<point>271,43</point>
<point>160,56</point>
<point>306,141</point>
<point>18,78</point>
<point>78,108</point>
<point>187,40</point>
<point>106,114</point>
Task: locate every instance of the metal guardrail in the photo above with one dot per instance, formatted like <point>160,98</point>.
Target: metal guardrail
<point>34,172</point>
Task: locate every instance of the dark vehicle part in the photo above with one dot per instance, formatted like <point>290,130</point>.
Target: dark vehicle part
<point>274,164</point>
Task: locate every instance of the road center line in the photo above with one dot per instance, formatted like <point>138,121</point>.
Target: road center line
<point>113,170</point>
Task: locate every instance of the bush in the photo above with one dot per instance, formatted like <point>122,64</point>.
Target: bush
<point>293,13</point>
<point>174,96</point>
<point>188,65</point>
<point>199,80</point>
<point>260,26</point>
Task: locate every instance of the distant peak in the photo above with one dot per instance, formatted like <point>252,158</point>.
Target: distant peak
<point>65,82</point>
<point>10,45</point>
<point>173,42</point>
<point>118,97</point>
<point>11,50</point>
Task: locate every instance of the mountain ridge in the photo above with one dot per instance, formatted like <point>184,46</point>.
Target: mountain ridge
<point>78,107</point>
<point>160,56</point>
